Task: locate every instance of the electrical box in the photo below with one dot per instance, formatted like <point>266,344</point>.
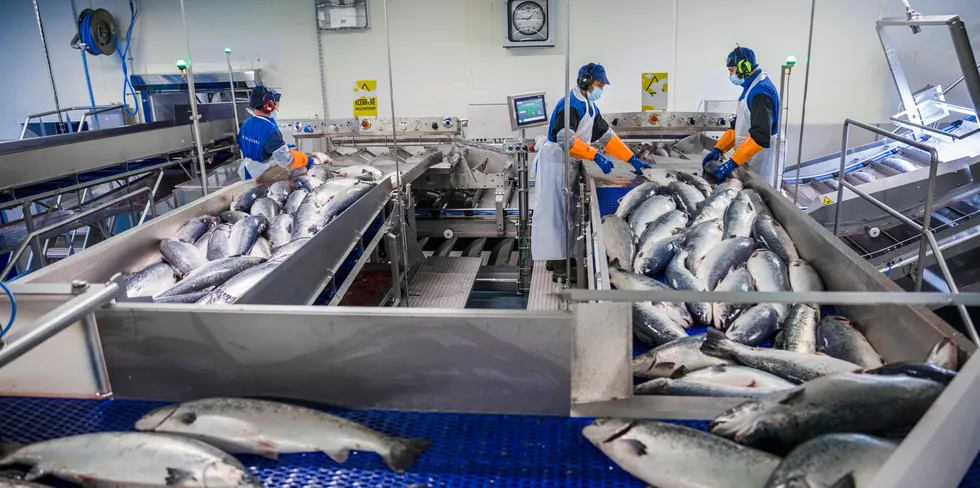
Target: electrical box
<point>342,14</point>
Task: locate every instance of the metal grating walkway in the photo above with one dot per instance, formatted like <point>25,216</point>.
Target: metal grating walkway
<point>443,282</point>
<point>541,295</point>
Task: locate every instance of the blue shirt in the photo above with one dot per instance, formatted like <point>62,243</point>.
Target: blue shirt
<point>259,137</point>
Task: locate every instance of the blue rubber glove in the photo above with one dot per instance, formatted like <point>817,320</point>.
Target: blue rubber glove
<point>638,164</point>
<point>725,169</point>
<point>714,155</point>
<point>604,164</point>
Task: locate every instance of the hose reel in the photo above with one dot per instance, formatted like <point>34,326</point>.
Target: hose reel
<point>96,31</point>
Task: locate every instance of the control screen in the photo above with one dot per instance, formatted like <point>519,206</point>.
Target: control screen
<point>530,110</point>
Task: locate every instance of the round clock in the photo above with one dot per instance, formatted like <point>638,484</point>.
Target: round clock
<point>528,18</point>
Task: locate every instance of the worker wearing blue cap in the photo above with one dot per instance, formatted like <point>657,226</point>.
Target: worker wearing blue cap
<point>756,122</point>
<point>585,127</point>
<point>261,140</point>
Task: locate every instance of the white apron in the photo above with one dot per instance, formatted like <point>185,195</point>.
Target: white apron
<point>764,163</point>
<point>552,221</point>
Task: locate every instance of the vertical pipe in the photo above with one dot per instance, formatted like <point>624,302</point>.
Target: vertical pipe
<point>47,58</point>
<point>927,218</point>
<point>193,96</point>
<point>231,86</point>
<point>566,190</point>
<point>778,175</point>
<point>806,89</point>
<point>840,177</point>
<point>319,50</point>
<point>967,60</point>
<point>394,141</point>
<point>97,356</point>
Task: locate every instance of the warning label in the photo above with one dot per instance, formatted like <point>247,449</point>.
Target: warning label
<point>827,201</point>
<point>365,101</point>
<point>653,91</point>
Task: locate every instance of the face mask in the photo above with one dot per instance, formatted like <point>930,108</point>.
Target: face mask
<point>274,114</point>
<point>595,94</point>
<point>736,80</point>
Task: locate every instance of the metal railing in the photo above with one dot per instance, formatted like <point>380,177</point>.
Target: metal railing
<point>88,112</point>
<point>32,238</point>
<point>928,239</point>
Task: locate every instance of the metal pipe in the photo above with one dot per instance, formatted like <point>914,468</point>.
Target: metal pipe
<point>57,320</point>
<point>956,83</point>
<point>403,236</point>
<point>195,118</point>
<point>840,176</point>
<point>64,224</point>
<point>948,244</point>
<point>47,59</point>
<point>783,104</point>
<point>966,59</point>
<point>231,85</point>
<point>964,314</point>
<point>787,297</point>
<point>878,203</point>
<point>566,191</point>
<point>927,215</point>
<point>806,90</point>
<point>319,50</point>
<point>149,201</point>
<point>97,355</point>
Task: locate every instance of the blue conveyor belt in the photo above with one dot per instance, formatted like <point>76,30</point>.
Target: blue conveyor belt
<point>468,451</point>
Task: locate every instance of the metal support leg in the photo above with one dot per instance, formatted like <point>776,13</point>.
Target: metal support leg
<point>195,118</point>
<point>47,58</point>
<point>966,59</point>
<point>149,201</point>
<point>927,222</point>
<point>964,314</point>
<point>98,357</point>
<point>35,243</point>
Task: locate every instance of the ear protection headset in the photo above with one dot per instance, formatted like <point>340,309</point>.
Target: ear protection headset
<point>585,81</point>
<point>269,106</point>
<point>743,67</point>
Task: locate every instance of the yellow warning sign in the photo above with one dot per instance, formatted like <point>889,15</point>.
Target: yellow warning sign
<point>827,201</point>
<point>654,91</point>
<point>365,101</point>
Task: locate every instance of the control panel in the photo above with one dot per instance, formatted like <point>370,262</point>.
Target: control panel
<point>676,122</point>
<point>377,126</point>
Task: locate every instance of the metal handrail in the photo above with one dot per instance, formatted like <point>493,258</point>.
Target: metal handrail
<point>786,297</point>
<point>88,109</point>
<point>32,237</point>
<point>928,239</point>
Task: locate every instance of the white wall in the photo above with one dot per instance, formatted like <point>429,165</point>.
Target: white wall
<point>447,54</point>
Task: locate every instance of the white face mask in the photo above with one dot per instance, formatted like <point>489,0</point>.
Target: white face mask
<point>274,114</point>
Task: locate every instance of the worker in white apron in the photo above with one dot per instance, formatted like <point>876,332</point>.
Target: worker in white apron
<point>552,219</point>
<point>755,125</point>
<point>261,141</point>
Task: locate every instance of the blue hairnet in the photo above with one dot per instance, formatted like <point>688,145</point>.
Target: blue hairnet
<point>740,54</point>
<point>260,94</point>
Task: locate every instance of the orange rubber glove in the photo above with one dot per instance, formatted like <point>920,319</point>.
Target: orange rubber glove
<point>300,159</point>
<point>727,141</point>
<point>618,148</point>
<point>746,151</point>
<point>581,150</point>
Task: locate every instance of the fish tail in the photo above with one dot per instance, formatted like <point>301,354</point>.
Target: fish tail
<point>717,345</point>
<point>404,453</point>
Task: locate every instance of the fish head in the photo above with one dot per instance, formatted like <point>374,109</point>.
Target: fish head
<point>747,422</point>
<point>602,431</point>
<point>155,418</point>
<point>223,473</point>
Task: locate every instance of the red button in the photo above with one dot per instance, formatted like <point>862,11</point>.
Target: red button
<point>654,119</point>
<point>366,124</point>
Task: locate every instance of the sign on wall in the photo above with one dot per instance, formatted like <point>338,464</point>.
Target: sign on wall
<point>365,101</point>
<point>654,91</point>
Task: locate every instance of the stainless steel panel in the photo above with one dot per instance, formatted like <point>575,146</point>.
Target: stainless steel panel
<point>302,277</point>
<point>479,361</point>
<point>61,366</point>
<point>45,163</point>
<point>600,370</point>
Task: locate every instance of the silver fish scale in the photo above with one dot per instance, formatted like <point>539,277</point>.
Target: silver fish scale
<point>827,459</point>
<point>294,200</point>
<point>714,207</point>
<point>212,274</point>
<point>619,242</point>
<point>280,230</point>
<point>635,197</point>
<point>739,217</point>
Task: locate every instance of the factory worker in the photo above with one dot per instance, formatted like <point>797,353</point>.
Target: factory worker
<point>586,126</point>
<point>261,141</point>
<point>755,125</point>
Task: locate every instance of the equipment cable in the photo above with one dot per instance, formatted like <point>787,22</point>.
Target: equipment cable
<point>13,310</point>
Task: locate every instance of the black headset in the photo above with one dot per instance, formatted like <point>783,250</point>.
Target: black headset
<point>585,81</point>
<point>743,67</point>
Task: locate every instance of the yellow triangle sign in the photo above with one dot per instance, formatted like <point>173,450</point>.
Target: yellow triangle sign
<point>827,201</point>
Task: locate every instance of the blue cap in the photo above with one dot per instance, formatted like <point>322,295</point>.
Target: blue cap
<point>742,54</point>
<point>598,73</point>
<point>260,94</point>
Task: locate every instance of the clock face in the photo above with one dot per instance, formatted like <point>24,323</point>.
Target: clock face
<point>529,19</point>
